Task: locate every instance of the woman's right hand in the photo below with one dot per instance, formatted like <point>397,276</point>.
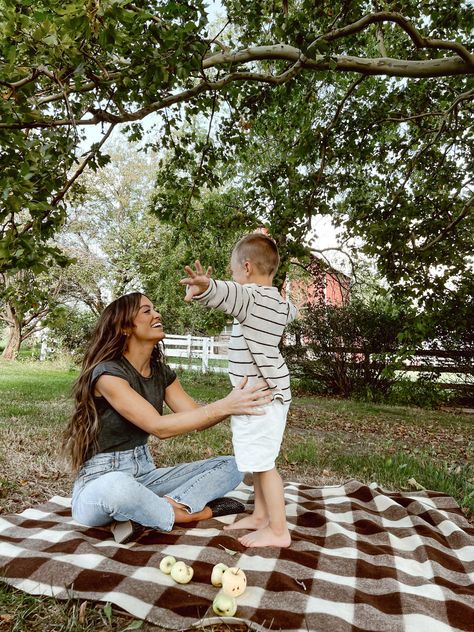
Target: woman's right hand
<point>247,400</point>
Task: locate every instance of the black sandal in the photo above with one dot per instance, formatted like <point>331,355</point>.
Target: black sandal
<point>225,507</point>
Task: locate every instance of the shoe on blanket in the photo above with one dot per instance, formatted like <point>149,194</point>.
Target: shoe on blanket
<point>225,507</point>
<point>126,531</point>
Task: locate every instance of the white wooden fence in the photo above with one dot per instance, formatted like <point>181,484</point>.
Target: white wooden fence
<point>196,353</point>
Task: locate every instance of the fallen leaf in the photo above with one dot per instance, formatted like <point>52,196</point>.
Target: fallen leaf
<point>82,612</point>
<point>229,551</point>
<point>134,625</point>
<point>7,618</point>
<point>414,483</point>
<point>108,611</point>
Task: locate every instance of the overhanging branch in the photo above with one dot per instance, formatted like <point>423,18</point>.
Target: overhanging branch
<point>388,67</point>
<point>243,66</point>
<point>390,16</point>
<point>446,66</point>
<point>59,196</point>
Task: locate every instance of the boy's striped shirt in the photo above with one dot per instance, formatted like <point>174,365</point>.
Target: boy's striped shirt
<point>260,317</point>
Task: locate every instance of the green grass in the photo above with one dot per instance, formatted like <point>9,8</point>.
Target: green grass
<point>327,441</point>
<point>20,612</point>
<point>356,410</point>
<point>398,470</point>
<point>204,386</point>
<point>35,381</point>
<point>303,451</point>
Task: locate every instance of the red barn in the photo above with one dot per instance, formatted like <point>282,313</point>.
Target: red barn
<point>323,284</point>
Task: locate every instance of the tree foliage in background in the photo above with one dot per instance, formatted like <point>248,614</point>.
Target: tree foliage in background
<point>121,247</point>
<point>28,303</point>
<point>71,330</point>
<point>355,109</point>
<point>389,160</point>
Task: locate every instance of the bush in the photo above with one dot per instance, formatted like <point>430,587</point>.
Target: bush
<point>72,330</point>
<point>347,350</point>
<point>422,392</point>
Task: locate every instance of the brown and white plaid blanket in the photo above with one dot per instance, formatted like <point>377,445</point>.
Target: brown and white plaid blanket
<point>361,559</point>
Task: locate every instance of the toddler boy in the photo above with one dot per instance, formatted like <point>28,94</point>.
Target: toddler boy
<point>260,316</point>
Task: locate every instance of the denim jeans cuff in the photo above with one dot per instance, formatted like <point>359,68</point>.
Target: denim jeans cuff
<point>187,507</point>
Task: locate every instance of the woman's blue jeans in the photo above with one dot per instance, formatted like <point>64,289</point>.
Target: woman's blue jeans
<point>127,486</point>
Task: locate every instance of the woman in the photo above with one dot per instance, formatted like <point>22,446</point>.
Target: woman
<point>119,399</point>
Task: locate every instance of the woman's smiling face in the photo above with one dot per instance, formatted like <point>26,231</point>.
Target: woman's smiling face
<point>147,323</point>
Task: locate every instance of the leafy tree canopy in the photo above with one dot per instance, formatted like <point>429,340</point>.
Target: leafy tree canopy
<point>121,247</point>
<point>357,109</point>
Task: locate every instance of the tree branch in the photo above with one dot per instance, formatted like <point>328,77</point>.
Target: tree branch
<point>413,161</point>
<point>446,66</point>
<point>384,66</point>
<point>322,252</point>
<point>465,96</point>
<point>390,16</point>
<point>336,274</point>
<point>101,116</point>
<point>332,124</point>
<point>59,196</point>
<point>88,86</point>
<point>466,210</point>
<point>325,140</point>
<point>380,40</point>
<point>203,153</point>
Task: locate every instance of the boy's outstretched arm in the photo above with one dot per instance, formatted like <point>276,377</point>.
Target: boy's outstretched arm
<point>197,280</point>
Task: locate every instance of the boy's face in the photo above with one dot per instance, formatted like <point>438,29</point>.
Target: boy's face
<point>237,270</point>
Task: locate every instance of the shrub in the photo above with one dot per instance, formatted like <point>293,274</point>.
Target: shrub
<point>422,392</point>
<point>347,350</point>
<point>72,330</point>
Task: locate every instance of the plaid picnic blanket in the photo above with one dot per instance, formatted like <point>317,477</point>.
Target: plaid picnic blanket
<point>361,559</point>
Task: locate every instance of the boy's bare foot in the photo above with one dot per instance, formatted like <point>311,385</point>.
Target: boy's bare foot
<point>249,522</point>
<point>265,537</point>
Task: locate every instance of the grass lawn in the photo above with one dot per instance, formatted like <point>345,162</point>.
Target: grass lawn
<point>327,441</point>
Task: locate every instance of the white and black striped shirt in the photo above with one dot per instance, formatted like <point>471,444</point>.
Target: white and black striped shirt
<point>260,316</point>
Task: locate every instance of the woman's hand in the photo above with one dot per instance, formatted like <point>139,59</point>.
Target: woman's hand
<point>131,405</point>
<point>249,400</point>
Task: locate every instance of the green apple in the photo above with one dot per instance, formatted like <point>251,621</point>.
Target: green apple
<point>181,573</point>
<point>216,575</point>
<point>224,605</point>
<point>166,564</point>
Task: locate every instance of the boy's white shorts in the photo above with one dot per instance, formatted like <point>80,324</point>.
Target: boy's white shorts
<point>257,438</point>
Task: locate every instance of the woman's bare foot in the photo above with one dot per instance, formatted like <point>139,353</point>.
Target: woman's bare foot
<point>266,537</point>
<point>249,522</point>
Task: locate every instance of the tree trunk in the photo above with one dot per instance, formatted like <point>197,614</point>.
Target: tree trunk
<point>14,335</point>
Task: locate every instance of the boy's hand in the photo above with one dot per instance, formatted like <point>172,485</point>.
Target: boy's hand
<point>197,281</point>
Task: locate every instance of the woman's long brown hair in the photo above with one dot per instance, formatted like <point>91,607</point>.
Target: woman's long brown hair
<point>108,342</point>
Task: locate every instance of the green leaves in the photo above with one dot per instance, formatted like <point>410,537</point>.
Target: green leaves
<point>388,159</point>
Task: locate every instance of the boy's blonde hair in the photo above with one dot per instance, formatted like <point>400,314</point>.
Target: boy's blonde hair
<point>260,250</point>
